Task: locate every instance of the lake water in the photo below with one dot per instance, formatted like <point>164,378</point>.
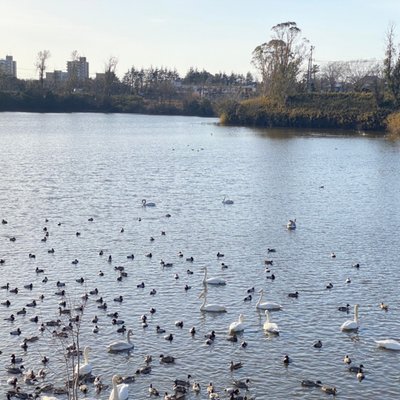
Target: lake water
<point>343,191</point>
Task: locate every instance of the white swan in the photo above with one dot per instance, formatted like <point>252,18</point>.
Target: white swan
<point>389,344</point>
<point>210,307</point>
<point>86,367</point>
<point>237,326</point>
<point>121,345</point>
<point>267,305</point>
<point>212,281</point>
<point>351,324</point>
<point>269,326</point>
<point>146,204</point>
<point>227,201</point>
<point>118,392</point>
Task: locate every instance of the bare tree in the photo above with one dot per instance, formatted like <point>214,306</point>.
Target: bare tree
<point>332,73</point>
<point>40,64</point>
<point>109,74</point>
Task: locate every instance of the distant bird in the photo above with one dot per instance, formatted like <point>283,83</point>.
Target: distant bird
<point>384,307</point>
<point>347,359</point>
<point>317,344</point>
<point>234,366</point>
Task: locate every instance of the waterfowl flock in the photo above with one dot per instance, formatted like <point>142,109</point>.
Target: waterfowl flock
<point>124,303</point>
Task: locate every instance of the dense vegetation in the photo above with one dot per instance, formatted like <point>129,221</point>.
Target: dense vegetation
<point>357,111</point>
<point>357,95</point>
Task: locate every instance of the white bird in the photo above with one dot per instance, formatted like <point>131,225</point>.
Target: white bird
<point>212,281</point>
<point>351,324</point>
<point>210,307</point>
<point>389,344</point>
<point>269,326</point>
<point>86,367</point>
<point>291,225</point>
<point>146,204</point>
<point>267,305</point>
<point>227,201</point>
<point>121,345</point>
<point>237,326</point>
<point>118,392</point>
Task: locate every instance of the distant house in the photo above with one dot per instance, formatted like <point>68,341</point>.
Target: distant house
<point>8,66</point>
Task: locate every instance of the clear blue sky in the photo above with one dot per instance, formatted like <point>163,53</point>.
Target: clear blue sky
<point>217,35</point>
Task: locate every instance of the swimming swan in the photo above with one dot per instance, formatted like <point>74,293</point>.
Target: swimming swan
<point>389,344</point>
<point>269,326</point>
<point>118,392</point>
<point>227,201</point>
<point>212,281</point>
<point>351,325</point>
<point>210,307</point>
<point>237,326</point>
<point>146,204</point>
<point>86,367</point>
<point>121,345</point>
<point>267,305</point>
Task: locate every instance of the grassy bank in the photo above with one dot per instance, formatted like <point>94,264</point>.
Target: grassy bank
<point>357,111</point>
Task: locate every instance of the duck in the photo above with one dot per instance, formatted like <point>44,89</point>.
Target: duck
<point>17,332</point>
<point>169,337</point>
<point>267,305</point>
<point>159,329</point>
<point>351,325</point>
<point>234,366</point>
<point>121,345</point>
<point>329,285</point>
<point>10,318</point>
<point>144,370</point>
<point>241,384</point>
<point>356,370</point>
<point>344,308</point>
<point>16,360</point>
<point>269,326</point>
<point>317,344</point>
<point>153,391</point>
<point>167,359</point>
<point>212,281</point>
<point>196,387</point>
<point>309,383</point>
<point>237,326</point>
<point>360,375</point>
<point>118,392</point>
<point>32,304</point>
<point>216,308</point>
<point>384,307</point>
<point>389,344</point>
<point>286,360</point>
<point>248,298</point>
<point>347,359</point>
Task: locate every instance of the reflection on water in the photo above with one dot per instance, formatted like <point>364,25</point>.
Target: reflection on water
<point>342,190</point>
